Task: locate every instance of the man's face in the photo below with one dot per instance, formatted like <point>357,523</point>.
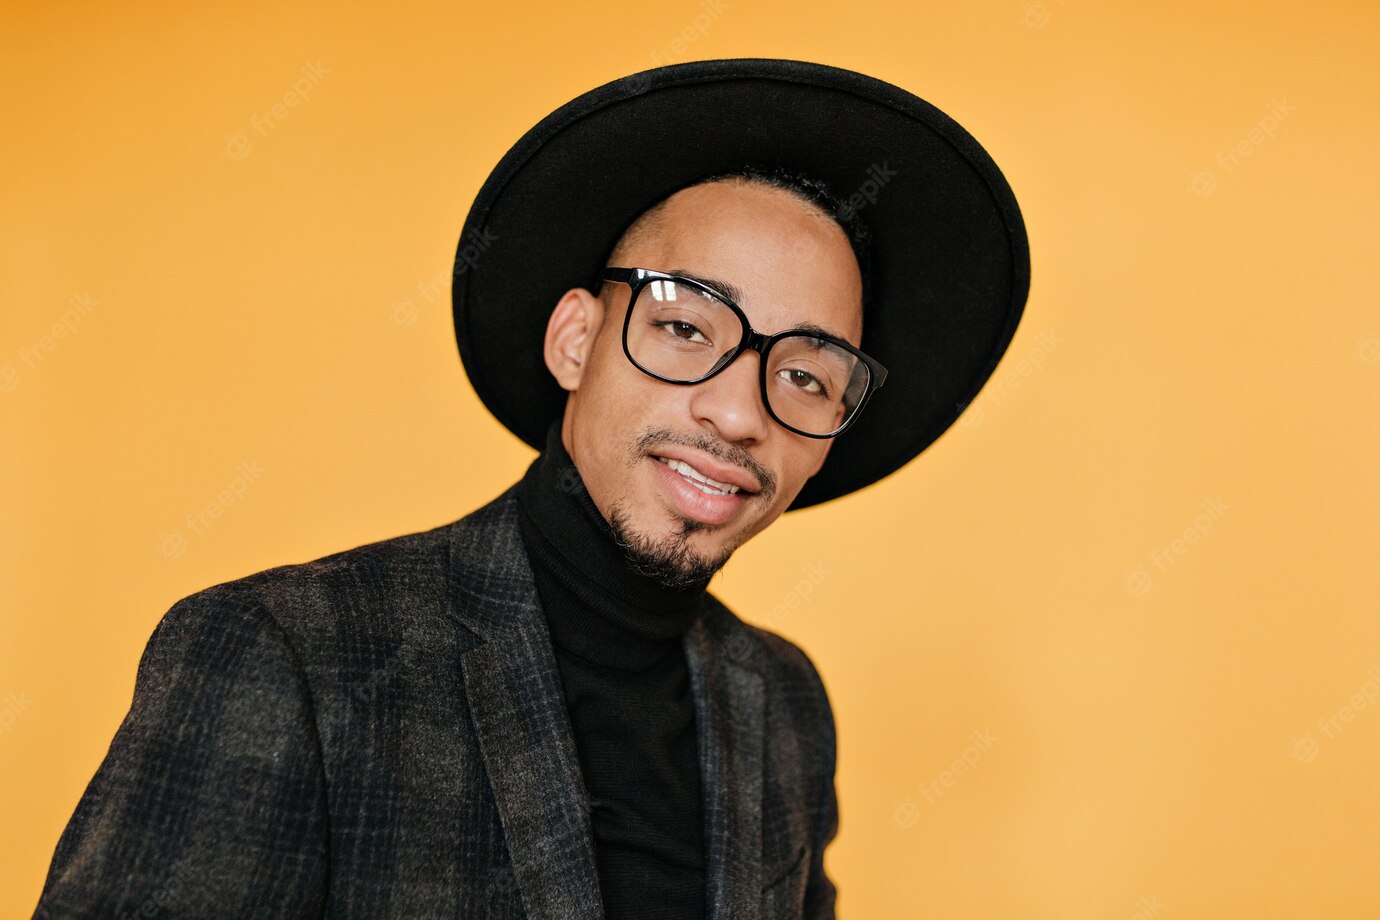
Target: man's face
<point>792,264</point>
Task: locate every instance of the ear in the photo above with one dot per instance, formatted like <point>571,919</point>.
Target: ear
<point>570,335</point>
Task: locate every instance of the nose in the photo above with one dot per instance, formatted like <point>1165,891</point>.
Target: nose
<point>730,402</point>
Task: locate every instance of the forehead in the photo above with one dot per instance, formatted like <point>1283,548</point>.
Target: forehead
<point>782,260</point>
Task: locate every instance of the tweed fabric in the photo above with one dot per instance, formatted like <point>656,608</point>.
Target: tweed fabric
<point>382,733</point>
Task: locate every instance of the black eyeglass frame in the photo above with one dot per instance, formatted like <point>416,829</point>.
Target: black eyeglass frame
<point>638,278</point>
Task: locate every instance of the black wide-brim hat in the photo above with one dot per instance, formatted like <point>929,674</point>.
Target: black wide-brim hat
<point>949,265</point>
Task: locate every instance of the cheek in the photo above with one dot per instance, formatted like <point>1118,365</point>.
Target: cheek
<point>618,384</point>
<point>612,408</point>
<point>620,404</point>
<point>805,457</point>
<point>621,399</point>
<point>796,471</point>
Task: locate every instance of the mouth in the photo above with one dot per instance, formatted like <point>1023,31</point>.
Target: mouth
<point>700,481</point>
<point>694,495</point>
<point>708,476</point>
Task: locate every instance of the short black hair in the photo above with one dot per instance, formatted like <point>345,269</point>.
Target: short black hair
<point>807,188</point>
<point>812,190</point>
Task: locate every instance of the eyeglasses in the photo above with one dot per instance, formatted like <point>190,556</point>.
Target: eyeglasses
<point>680,330</point>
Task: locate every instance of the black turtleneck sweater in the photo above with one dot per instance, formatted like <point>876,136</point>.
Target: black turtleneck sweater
<point>617,637</point>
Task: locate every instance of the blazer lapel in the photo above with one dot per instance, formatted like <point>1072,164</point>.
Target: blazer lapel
<point>519,713</point>
<point>729,700</point>
<point>518,707</point>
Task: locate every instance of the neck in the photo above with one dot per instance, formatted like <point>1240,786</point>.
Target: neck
<point>614,611</point>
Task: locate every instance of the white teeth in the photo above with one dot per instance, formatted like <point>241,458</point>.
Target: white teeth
<point>699,479</point>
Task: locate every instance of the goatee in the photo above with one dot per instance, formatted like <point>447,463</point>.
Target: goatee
<point>672,564</point>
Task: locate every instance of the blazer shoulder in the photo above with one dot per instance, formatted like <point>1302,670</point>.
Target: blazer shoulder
<point>389,558</point>
<point>367,587</point>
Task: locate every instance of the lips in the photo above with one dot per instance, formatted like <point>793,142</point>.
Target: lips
<point>698,479</point>
<point>705,493</point>
<point>706,472</point>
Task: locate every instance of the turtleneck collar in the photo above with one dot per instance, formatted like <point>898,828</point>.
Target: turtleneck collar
<point>607,611</point>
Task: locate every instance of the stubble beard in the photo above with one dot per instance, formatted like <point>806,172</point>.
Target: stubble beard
<point>670,562</point>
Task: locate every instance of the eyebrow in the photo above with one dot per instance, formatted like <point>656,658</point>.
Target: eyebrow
<point>727,288</point>
<point>733,293</point>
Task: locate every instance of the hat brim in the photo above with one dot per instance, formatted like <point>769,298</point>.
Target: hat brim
<point>949,264</point>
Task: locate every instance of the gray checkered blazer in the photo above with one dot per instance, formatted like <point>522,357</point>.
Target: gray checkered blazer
<point>382,733</point>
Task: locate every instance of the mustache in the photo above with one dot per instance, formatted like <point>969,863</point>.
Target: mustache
<point>652,438</point>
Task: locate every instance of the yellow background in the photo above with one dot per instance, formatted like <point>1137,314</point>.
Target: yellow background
<point>1177,729</point>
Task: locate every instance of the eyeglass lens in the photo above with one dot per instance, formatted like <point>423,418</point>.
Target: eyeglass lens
<point>680,332</point>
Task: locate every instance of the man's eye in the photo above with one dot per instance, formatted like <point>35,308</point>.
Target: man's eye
<point>804,381</point>
<point>682,330</point>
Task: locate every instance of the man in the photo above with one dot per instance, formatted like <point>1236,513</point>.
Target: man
<point>539,710</point>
